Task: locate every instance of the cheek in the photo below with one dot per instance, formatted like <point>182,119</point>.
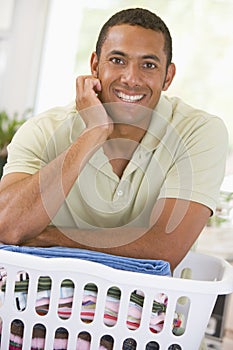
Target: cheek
<point>103,95</point>
<point>104,71</point>
<point>156,88</point>
<point>105,81</point>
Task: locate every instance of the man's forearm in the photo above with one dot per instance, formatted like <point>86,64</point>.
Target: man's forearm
<point>164,240</point>
<point>140,243</point>
<point>137,243</point>
<point>101,239</point>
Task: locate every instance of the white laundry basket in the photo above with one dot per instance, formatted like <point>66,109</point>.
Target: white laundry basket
<point>194,299</point>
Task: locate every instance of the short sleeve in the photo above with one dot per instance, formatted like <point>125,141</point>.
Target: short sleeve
<point>25,152</point>
<point>199,165</point>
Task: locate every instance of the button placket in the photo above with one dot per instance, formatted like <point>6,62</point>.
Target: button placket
<point>120,193</point>
<point>123,195</point>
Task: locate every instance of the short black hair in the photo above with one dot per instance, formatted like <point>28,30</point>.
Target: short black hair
<point>137,17</point>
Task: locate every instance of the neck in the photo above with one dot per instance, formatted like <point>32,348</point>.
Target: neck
<point>123,141</point>
<point>129,132</point>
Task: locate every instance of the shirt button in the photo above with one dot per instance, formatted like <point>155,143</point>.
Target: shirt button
<point>120,193</point>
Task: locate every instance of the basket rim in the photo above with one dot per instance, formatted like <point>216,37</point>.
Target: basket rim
<point>72,266</point>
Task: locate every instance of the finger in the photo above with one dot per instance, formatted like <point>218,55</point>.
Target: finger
<point>83,92</point>
<point>92,84</point>
<point>80,80</point>
<point>89,81</point>
<point>87,88</point>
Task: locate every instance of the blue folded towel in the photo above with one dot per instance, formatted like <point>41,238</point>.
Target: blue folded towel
<point>153,267</point>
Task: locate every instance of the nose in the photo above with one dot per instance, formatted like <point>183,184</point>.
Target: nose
<point>131,75</point>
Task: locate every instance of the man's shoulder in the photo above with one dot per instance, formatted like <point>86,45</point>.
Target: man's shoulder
<point>189,120</point>
<point>61,117</point>
<point>57,121</point>
<point>57,113</point>
<point>183,111</point>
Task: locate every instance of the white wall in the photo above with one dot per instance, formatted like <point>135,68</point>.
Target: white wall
<point>23,53</point>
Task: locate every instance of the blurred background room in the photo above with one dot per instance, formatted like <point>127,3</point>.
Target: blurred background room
<point>45,44</point>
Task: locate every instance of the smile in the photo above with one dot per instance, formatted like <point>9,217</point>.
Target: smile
<point>129,98</point>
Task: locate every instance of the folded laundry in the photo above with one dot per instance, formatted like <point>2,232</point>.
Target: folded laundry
<point>89,299</point>
<point>156,267</point>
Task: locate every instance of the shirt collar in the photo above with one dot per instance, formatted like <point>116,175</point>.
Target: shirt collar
<point>161,117</point>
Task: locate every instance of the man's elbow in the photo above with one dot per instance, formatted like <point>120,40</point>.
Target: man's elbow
<point>9,234</point>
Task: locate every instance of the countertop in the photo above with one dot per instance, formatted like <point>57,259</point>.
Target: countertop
<point>217,241</point>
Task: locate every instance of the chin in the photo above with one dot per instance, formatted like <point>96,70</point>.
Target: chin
<point>127,113</point>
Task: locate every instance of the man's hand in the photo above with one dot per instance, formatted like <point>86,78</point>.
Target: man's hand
<point>87,88</point>
<point>89,106</point>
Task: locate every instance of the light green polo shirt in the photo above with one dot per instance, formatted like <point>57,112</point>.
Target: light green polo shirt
<point>182,155</point>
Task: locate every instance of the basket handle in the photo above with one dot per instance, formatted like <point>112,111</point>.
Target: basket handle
<point>227,278</point>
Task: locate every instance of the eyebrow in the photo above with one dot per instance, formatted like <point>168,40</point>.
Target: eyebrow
<point>152,57</point>
<point>149,56</point>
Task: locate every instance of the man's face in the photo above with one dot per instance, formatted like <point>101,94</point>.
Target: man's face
<point>132,67</point>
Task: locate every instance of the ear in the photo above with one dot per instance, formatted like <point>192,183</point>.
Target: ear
<point>171,71</point>
<point>94,64</point>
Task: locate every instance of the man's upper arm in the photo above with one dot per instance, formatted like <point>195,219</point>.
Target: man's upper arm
<point>177,224</point>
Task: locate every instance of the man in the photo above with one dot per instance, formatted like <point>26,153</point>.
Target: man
<point>128,171</point>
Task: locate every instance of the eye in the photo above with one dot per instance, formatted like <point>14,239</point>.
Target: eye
<point>116,60</point>
<point>149,65</point>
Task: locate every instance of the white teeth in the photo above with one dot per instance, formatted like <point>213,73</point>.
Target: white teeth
<point>129,98</point>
